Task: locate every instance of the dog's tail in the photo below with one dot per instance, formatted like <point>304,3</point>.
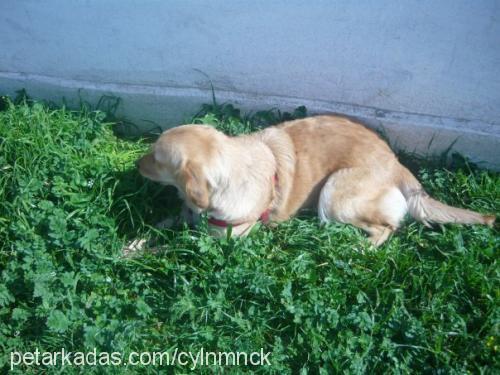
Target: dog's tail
<point>428,210</point>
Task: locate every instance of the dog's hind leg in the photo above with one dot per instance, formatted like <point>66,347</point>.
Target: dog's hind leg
<point>364,199</point>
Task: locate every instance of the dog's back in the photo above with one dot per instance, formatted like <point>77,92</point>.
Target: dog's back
<point>326,144</point>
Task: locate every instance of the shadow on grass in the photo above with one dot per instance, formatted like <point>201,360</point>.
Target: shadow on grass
<point>139,203</point>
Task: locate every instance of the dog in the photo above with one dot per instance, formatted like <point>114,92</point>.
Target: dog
<point>329,163</point>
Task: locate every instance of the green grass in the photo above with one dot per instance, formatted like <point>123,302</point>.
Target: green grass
<point>320,299</point>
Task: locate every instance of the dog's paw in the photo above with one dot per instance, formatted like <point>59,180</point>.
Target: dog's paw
<point>133,247</point>
<point>166,224</point>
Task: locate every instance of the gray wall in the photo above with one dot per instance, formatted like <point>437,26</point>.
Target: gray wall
<point>421,69</point>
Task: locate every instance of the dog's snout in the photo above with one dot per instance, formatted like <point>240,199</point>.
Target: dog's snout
<point>147,168</point>
<point>142,162</point>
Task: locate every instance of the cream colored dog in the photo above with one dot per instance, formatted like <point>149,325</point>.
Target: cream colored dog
<point>328,163</point>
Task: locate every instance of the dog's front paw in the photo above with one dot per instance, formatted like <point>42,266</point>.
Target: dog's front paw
<point>166,223</point>
<point>134,247</point>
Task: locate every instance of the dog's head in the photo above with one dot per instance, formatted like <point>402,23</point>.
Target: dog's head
<point>230,178</point>
<point>185,157</point>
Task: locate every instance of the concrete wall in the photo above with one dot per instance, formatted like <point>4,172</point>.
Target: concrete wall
<point>421,69</point>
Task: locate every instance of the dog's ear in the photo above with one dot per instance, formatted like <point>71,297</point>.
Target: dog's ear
<point>196,185</point>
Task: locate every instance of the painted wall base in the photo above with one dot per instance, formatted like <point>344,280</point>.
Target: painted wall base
<point>152,108</point>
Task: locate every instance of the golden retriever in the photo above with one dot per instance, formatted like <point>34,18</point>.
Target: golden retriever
<point>328,163</point>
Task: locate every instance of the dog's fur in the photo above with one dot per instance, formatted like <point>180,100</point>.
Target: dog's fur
<point>328,163</point>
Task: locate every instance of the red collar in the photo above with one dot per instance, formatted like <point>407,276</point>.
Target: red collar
<point>264,217</point>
